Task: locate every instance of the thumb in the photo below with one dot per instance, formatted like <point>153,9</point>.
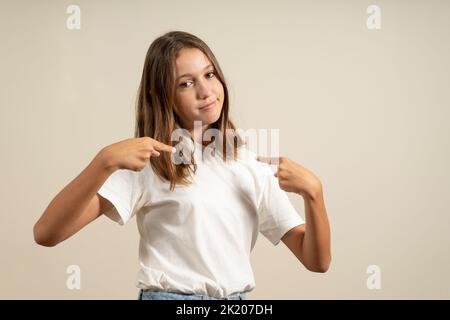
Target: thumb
<point>155,153</point>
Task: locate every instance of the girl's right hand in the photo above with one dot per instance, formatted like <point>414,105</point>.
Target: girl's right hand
<point>133,154</point>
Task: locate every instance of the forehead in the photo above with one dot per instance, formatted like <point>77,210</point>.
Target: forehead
<point>190,60</point>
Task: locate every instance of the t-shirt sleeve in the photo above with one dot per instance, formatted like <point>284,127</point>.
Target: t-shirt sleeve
<point>125,189</point>
<point>277,215</point>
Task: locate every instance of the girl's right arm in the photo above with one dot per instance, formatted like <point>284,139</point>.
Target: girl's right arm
<point>78,203</point>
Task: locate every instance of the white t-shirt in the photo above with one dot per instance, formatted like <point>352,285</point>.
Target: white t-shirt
<point>197,239</point>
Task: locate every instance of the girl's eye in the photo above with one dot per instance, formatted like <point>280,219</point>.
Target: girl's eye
<point>185,84</point>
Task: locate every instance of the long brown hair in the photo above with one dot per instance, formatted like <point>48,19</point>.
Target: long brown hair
<point>156,116</point>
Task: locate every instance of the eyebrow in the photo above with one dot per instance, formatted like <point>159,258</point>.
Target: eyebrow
<point>188,74</point>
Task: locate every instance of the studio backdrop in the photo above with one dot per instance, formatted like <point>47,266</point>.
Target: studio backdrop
<point>359,91</point>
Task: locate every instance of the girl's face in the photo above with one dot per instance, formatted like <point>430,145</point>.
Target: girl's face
<point>197,86</point>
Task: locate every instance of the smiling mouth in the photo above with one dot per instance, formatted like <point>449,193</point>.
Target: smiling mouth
<point>209,106</point>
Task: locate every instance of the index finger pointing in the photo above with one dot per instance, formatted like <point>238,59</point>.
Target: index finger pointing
<point>164,147</point>
<point>269,160</point>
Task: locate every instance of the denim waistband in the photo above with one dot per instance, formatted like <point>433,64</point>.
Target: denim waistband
<point>166,295</point>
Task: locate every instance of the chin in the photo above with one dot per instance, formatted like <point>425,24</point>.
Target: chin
<point>211,118</point>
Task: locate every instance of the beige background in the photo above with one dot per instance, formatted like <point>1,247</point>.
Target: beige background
<point>365,110</point>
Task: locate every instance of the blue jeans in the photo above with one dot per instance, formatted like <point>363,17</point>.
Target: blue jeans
<point>165,295</point>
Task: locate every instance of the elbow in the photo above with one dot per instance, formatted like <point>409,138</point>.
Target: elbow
<point>41,238</point>
<point>321,267</point>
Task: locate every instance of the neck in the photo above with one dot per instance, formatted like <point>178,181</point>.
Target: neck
<point>198,136</point>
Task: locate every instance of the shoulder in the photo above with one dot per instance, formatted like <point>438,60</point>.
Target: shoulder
<point>248,156</point>
<point>145,173</point>
<point>135,180</point>
<point>260,171</point>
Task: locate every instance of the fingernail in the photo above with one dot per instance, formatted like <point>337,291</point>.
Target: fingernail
<point>174,149</point>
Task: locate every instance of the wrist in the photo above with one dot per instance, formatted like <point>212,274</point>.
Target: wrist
<point>313,193</point>
<point>105,162</point>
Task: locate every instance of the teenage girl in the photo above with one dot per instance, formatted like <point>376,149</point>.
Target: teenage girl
<point>198,219</point>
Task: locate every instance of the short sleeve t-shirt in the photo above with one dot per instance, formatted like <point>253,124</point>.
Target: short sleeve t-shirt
<point>197,239</point>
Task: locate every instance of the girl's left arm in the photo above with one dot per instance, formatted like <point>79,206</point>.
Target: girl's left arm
<point>310,242</point>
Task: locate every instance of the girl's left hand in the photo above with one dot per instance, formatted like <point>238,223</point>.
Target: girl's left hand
<point>292,177</point>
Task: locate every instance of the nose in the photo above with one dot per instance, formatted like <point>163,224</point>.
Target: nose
<point>204,89</point>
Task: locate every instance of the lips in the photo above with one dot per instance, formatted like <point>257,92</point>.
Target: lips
<point>208,106</point>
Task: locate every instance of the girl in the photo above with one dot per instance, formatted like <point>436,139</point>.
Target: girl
<point>198,219</point>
